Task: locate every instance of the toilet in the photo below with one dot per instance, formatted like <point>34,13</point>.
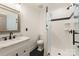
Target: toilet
<point>40,44</point>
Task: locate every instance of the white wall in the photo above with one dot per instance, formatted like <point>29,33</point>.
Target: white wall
<point>31,20</point>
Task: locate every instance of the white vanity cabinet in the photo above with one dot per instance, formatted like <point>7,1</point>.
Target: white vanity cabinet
<point>15,47</point>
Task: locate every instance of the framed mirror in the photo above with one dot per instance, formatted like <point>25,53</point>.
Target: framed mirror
<point>9,19</point>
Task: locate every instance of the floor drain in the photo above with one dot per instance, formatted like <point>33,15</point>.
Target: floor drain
<point>48,54</point>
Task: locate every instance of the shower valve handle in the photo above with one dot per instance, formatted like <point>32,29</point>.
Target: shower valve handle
<point>71,31</point>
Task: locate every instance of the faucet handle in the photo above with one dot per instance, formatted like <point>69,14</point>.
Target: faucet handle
<point>14,36</point>
<point>5,38</point>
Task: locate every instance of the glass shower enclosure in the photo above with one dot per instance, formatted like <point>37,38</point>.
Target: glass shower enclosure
<point>63,35</point>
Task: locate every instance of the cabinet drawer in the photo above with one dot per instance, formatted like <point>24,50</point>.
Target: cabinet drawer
<point>16,52</point>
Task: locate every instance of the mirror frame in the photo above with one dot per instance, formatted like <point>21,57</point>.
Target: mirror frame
<point>14,11</point>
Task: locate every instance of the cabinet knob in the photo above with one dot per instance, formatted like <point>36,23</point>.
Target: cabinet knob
<point>24,51</point>
<point>48,54</point>
<point>77,46</point>
<point>59,53</point>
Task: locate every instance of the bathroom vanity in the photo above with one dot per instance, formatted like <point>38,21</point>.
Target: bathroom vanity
<point>9,22</point>
<point>14,47</point>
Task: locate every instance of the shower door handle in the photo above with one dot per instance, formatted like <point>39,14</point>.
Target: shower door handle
<point>71,31</point>
<point>74,33</point>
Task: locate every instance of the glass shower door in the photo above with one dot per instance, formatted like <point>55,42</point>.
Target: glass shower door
<point>76,30</point>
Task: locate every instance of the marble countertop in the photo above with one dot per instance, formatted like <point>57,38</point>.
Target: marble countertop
<point>13,41</point>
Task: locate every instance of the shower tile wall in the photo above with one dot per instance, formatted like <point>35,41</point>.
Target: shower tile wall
<point>76,18</point>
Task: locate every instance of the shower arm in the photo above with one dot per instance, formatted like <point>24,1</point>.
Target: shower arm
<point>65,18</point>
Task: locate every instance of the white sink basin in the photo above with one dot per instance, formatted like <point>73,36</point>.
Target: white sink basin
<point>13,41</point>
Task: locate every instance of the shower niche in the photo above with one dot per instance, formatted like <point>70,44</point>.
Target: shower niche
<point>9,19</point>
